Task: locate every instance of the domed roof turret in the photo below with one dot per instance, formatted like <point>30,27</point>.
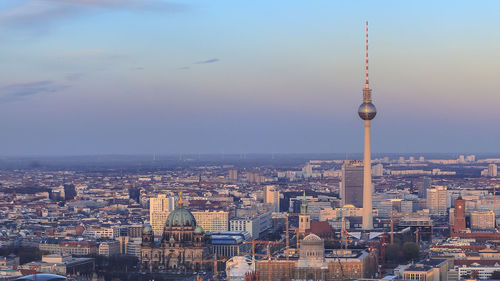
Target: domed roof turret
<point>180,217</point>
<point>312,238</point>
<point>147,229</point>
<point>198,230</point>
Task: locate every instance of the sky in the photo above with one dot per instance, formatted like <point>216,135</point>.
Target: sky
<point>85,77</point>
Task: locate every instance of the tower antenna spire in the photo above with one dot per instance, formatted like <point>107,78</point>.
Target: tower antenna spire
<point>367,86</point>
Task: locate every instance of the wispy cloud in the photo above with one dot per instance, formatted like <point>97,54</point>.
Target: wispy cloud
<point>74,76</point>
<point>20,91</point>
<point>207,61</point>
<point>184,68</point>
<point>33,13</point>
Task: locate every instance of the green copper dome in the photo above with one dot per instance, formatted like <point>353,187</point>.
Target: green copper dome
<point>180,217</point>
<point>198,230</point>
<point>147,229</point>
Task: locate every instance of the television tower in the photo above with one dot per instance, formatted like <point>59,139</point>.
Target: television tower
<point>367,112</point>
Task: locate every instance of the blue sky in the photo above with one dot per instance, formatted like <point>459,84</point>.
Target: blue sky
<point>144,76</point>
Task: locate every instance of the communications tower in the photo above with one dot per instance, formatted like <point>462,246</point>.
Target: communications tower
<point>367,112</point>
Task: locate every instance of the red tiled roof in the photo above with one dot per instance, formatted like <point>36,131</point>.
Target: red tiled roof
<point>321,228</point>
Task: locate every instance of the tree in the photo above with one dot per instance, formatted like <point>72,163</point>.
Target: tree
<point>410,251</point>
<point>393,253</point>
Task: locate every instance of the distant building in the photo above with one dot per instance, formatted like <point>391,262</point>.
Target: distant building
<point>78,248</point>
<point>424,186</point>
<point>109,248</point>
<point>213,221</point>
<point>230,244</point>
<point>314,264</point>
<point>459,215</point>
<point>63,265</point>
<point>9,261</point>
<point>492,170</point>
<point>233,175</point>
<point>352,184</point>
<point>437,201</point>
<point>272,196</point>
<point>159,209</point>
<point>256,225</point>
<point>482,220</point>
<point>304,217</point>
<point>378,170</point>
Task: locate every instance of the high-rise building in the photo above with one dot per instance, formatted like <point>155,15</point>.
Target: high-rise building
<point>307,171</point>
<point>233,175</point>
<point>437,200</point>
<point>159,209</point>
<point>213,221</point>
<point>272,196</point>
<point>378,170</point>
<point>482,220</point>
<point>424,185</point>
<point>470,158</point>
<point>461,159</point>
<point>459,215</point>
<point>492,170</point>
<point>352,184</point>
<point>367,112</point>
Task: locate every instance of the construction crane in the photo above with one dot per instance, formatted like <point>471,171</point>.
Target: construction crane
<point>287,231</point>
<point>268,254</point>
<point>392,226</point>
<point>259,242</point>
<point>215,260</point>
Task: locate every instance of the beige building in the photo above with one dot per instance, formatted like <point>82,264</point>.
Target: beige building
<point>213,221</point>
<point>109,248</point>
<point>159,209</point>
<point>482,220</point>
<point>421,273</point>
<point>437,201</point>
<point>272,196</point>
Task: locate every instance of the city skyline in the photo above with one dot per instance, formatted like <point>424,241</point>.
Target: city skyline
<point>235,78</point>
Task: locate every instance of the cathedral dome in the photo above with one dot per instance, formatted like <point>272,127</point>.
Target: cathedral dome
<point>180,217</point>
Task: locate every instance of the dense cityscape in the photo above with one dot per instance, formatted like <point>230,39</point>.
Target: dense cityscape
<point>262,218</point>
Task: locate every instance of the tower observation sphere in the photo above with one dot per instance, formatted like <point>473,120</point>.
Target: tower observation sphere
<point>367,111</point>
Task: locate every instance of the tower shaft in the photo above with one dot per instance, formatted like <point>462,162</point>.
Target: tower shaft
<point>367,181</point>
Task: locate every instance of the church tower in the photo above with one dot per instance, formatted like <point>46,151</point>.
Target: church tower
<point>304,217</point>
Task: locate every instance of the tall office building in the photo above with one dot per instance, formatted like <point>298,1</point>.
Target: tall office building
<point>272,196</point>
<point>367,112</point>
<point>352,184</point>
<point>159,209</point>
<point>213,221</point>
<point>459,215</point>
<point>423,186</point>
<point>233,175</point>
<point>492,170</point>
<point>437,200</point>
<point>307,171</point>
<point>378,170</point>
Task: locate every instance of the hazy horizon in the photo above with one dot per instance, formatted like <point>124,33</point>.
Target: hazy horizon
<point>152,76</point>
